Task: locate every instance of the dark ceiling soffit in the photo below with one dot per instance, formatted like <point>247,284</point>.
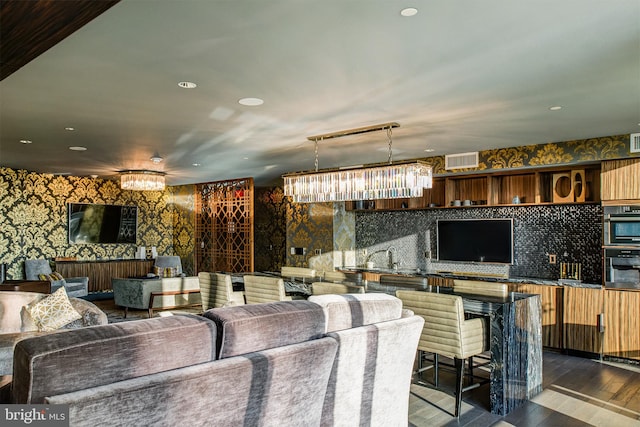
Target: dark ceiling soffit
<point>30,28</point>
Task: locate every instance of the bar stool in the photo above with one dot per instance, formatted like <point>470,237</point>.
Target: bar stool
<point>446,332</point>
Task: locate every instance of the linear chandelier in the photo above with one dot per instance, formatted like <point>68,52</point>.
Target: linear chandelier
<point>142,180</point>
<point>367,182</point>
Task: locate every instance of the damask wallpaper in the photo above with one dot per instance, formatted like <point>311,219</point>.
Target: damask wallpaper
<point>34,224</point>
<point>555,153</point>
<point>310,226</point>
<point>184,225</point>
<point>270,232</point>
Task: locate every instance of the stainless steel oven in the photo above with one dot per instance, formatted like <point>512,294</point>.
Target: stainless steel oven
<point>622,268</point>
<point>622,225</point>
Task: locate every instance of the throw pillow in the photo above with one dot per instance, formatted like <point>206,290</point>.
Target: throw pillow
<point>53,277</point>
<point>53,311</point>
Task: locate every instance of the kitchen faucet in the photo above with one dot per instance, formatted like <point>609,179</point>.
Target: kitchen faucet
<point>390,260</point>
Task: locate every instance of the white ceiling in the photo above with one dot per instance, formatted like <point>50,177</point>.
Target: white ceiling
<point>459,76</point>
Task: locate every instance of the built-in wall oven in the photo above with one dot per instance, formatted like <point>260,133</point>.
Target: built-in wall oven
<point>621,238</point>
<point>622,225</point>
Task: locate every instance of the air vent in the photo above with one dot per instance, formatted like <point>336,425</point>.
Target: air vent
<point>634,146</point>
<point>461,161</point>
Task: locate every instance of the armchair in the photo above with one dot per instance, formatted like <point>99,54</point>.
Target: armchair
<point>75,286</point>
<point>259,289</point>
<point>216,291</point>
<point>168,266</point>
<point>323,288</point>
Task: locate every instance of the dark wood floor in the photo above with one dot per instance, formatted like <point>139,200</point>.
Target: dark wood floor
<point>576,392</point>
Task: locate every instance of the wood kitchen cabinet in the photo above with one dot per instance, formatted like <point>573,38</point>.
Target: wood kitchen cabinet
<point>551,299</point>
<point>548,185</point>
<point>621,179</point>
<point>622,323</point>
<point>581,317</point>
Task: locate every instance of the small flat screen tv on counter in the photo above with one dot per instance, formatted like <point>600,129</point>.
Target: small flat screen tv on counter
<point>476,240</point>
<point>93,223</point>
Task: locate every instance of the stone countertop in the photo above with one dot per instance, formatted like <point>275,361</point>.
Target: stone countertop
<point>522,280</point>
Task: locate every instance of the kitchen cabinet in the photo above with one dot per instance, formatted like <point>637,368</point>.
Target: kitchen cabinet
<point>622,323</point>
<point>621,179</point>
<point>581,318</point>
<point>577,184</point>
<point>551,299</point>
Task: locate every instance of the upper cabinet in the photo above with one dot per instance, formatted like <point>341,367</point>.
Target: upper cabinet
<point>578,184</point>
<point>621,179</point>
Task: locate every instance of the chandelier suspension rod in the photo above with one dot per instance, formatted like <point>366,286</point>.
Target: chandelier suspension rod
<point>354,131</point>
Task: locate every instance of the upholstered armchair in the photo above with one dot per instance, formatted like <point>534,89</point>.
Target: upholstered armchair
<point>300,273</point>
<point>259,289</point>
<point>341,277</point>
<point>216,291</point>
<point>75,286</point>
<point>477,287</point>
<point>324,288</point>
<point>168,266</point>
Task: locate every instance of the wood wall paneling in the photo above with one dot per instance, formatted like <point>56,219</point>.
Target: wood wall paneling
<point>101,273</point>
<point>30,28</point>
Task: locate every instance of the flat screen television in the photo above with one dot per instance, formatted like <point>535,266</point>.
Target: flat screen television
<point>93,223</point>
<point>475,240</point>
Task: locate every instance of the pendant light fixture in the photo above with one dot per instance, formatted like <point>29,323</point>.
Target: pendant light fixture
<point>142,180</point>
<point>369,182</point>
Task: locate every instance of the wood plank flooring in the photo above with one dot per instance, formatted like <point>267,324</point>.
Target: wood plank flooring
<point>576,392</point>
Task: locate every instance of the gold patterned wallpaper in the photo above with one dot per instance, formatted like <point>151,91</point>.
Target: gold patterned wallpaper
<point>556,153</point>
<point>184,226</point>
<point>270,231</point>
<point>34,224</point>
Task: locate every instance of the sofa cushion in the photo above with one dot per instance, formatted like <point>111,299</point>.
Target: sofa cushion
<point>81,358</point>
<point>53,311</point>
<point>248,328</point>
<point>354,310</point>
<point>282,386</point>
<point>11,303</point>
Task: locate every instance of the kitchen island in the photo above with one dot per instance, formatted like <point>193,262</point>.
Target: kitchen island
<point>515,341</point>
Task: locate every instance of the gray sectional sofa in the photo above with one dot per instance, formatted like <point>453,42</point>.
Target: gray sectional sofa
<point>343,360</point>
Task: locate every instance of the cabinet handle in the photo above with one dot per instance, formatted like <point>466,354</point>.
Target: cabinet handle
<point>601,323</point>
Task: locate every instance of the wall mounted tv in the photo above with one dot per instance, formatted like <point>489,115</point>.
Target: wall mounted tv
<point>92,223</point>
<point>476,240</point>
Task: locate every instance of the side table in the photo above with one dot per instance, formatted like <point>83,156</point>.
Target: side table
<point>41,286</point>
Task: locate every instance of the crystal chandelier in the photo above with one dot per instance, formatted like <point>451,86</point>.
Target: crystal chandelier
<point>391,181</point>
<point>142,180</point>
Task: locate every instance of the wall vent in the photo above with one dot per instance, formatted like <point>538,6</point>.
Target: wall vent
<point>461,161</point>
<point>634,146</point>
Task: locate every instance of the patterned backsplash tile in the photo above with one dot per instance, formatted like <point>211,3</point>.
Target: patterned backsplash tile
<point>572,232</point>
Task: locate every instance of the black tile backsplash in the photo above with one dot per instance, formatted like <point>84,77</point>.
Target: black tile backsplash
<point>572,232</point>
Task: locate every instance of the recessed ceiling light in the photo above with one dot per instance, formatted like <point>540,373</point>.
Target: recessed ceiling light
<point>78,148</point>
<point>429,150</point>
<point>26,141</point>
<point>555,108</point>
<point>245,158</point>
<point>156,158</point>
<point>409,11</point>
<point>94,176</point>
<point>187,85</point>
<point>195,164</point>
<point>70,129</point>
<point>251,102</point>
